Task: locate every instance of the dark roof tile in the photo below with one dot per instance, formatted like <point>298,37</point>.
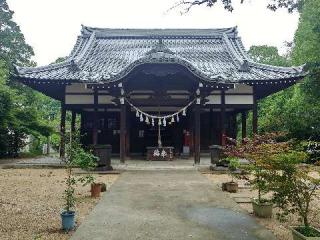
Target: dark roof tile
<point>102,55</point>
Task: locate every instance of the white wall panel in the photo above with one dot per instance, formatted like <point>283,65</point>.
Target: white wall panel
<point>214,99</point>
<point>105,99</point>
<point>239,99</point>
<point>77,88</point>
<point>230,99</point>
<point>240,88</point>
<point>79,99</point>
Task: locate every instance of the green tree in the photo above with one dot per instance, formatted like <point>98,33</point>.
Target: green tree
<point>13,48</point>
<point>271,109</point>
<point>268,55</point>
<point>21,112</point>
<point>295,110</point>
<point>307,49</point>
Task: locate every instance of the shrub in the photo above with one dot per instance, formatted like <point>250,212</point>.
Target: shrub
<point>259,151</point>
<point>293,187</point>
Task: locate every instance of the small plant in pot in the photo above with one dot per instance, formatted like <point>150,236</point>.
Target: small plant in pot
<point>68,214</point>
<point>259,151</point>
<point>262,207</point>
<point>232,186</point>
<point>294,191</point>
<point>76,156</point>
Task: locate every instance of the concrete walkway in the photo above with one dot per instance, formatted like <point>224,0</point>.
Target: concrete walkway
<point>168,205</point>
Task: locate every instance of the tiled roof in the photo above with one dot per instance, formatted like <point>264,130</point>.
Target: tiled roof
<point>105,55</point>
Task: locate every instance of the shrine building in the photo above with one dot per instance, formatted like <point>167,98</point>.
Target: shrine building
<point>140,88</point>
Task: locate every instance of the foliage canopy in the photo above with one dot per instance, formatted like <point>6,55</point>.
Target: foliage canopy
<point>23,112</point>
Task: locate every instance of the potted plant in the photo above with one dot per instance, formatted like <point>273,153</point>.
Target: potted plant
<point>96,189</point>
<point>294,190</point>
<point>76,156</point>
<point>68,214</point>
<point>259,151</point>
<point>262,207</point>
<point>233,166</point>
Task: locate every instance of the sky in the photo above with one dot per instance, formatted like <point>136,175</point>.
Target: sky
<point>52,26</point>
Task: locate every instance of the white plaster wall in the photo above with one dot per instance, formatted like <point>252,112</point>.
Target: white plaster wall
<point>240,88</point>
<point>105,99</point>
<point>214,99</point>
<point>79,99</point>
<point>239,99</point>
<point>78,88</point>
<point>230,99</point>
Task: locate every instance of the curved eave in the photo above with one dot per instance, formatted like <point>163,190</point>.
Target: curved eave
<point>78,53</point>
<point>295,70</point>
<point>287,80</point>
<point>208,79</point>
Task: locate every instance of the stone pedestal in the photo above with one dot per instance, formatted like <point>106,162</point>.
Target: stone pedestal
<point>103,152</point>
<point>215,153</point>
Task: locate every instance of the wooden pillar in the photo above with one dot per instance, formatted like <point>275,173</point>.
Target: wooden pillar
<point>95,119</point>
<point>190,117</point>
<point>73,121</point>
<point>197,134</point>
<point>223,118</point>
<point>254,114</point>
<point>82,123</point>
<point>128,125</point>
<point>62,130</point>
<point>244,124</point>
<point>122,133</point>
<point>233,125</point>
<point>211,126</point>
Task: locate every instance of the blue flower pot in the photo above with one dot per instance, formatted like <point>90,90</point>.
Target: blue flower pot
<point>67,218</point>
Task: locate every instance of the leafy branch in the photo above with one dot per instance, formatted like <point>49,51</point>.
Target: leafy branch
<point>273,5</point>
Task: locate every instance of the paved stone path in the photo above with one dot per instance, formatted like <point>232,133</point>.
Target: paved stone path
<point>168,205</point>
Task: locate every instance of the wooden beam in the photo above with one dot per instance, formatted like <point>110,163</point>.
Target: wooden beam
<point>244,124</point>
<point>255,113</point>
<point>223,118</point>
<point>197,134</point>
<point>122,133</point>
<point>62,130</point>
<point>95,119</point>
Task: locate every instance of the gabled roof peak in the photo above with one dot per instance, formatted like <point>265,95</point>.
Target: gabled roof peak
<point>160,47</point>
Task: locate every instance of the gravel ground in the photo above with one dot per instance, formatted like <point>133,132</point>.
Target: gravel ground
<point>31,202</point>
<point>279,229</point>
